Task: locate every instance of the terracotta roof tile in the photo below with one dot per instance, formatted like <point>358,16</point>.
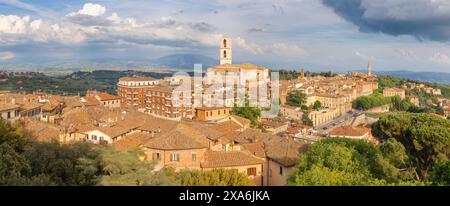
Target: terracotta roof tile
<point>215,159</point>
<point>106,97</point>
<point>349,131</point>
<point>181,138</point>
<point>132,141</point>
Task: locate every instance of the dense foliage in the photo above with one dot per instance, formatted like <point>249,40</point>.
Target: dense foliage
<point>414,150</point>
<point>296,99</point>
<point>371,101</point>
<point>339,161</point>
<point>317,105</point>
<point>426,138</point>
<point>389,82</point>
<point>251,113</point>
<point>440,175</point>
<point>215,177</point>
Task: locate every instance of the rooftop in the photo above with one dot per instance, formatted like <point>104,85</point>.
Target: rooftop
<point>106,97</point>
<point>214,159</point>
<point>349,131</point>
<point>8,106</point>
<point>180,138</point>
<point>137,79</point>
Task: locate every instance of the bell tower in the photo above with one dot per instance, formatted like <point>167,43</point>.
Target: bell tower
<point>369,69</point>
<point>225,51</point>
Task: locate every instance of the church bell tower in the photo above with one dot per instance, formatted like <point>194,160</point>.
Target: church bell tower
<point>225,51</point>
<point>369,69</point>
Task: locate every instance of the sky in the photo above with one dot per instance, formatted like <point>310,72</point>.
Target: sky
<point>281,34</point>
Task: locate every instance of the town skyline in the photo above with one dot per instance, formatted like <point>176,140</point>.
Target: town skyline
<point>322,36</point>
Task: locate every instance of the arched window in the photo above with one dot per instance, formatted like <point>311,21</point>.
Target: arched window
<point>225,43</point>
<point>224,54</point>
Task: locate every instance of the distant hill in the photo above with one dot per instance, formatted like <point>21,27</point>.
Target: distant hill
<point>185,61</point>
<point>435,77</point>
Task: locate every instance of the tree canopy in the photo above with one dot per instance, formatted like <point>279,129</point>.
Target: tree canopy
<point>296,99</point>
<point>215,177</point>
<point>426,138</point>
<point>341,161</point>
<point>371,101</point>
<point>317,105</point>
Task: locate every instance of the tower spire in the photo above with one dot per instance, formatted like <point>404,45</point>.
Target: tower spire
<point>225,51</point>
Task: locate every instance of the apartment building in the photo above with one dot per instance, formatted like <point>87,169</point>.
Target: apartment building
<point>132,90</point>
<point>169,102</point>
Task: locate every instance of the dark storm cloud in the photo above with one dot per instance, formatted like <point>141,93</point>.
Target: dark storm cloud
<point>423,19</point>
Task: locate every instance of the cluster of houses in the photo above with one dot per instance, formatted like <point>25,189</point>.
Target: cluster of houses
<point>183,129</point>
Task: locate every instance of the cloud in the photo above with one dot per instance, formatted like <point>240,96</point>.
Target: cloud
<point>423,19</point>
<point>89,15</point>
<point>7,55</point>
<point>256,30</point>
<point>27,6</point>
<point>202,26</point>
<point>250,47</point>
<point>19,30</point>
<point>440,58</point>
<point>279,49</point>
<point>283,49</point>
<point>90,9</point>
<point>364,56</point>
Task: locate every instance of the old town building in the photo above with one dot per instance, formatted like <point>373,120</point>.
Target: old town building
<point>133,90</point>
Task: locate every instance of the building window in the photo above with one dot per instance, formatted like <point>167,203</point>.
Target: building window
<point>224,54</point>
<point>225,43</point>
<point>194,157</point>
<point>94,137</point>
<point>218,112</point>
<point>251,171</point>
<point>156,156</point>
<point>9,115</point>
<point>175,157</point>
<point>281,171</point>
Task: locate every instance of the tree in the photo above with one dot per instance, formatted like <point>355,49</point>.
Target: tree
<point>296,99</point>
<point>13,135</point>
<point>124,168</point>
<point>426,138</point>
<point>250,113</point>
<point>440,175</point>
<point>340,161</point>
<point>317,105</point>
<point>304,107</point>
<point>64,164</point>
<point>306,120</point>
<point>371,101</point>
<point>215,177</point>
<point>12,164</point>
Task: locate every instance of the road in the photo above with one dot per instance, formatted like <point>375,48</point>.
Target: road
<point>339,121</point>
